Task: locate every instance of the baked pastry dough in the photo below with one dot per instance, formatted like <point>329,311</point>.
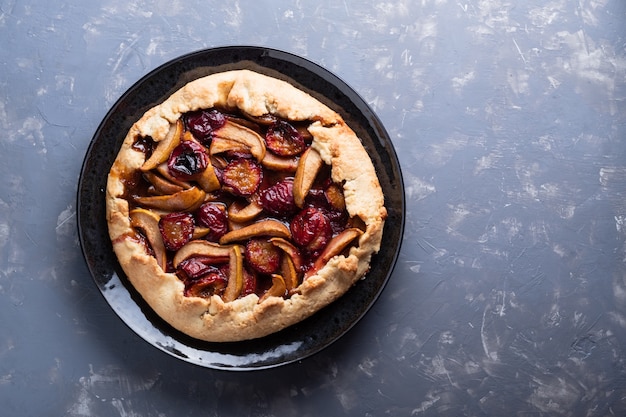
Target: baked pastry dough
<point>330,270</point>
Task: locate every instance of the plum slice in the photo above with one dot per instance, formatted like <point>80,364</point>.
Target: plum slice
<point>283,139</point>
<point>176,229</point>
<point>311,230</point>
<point>213,216</point>
<point>263,255</point>
<point>195,267</point>
<point>249,283</point>
<point>242,177</point>
<point>203,123</point>
<point>187,160</point>
<point>278,199</point>
<point>211,283</point>
<point>190,161</point>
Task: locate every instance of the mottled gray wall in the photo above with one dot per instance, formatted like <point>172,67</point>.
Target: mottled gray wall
<point>509,297</point>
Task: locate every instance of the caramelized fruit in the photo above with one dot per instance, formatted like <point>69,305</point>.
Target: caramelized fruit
<point>249,283</point>
<point>195,267</point>
<point>203,123</point>
<point>278,199</point>
<point>231,219</point>
<point>183,200</point>
<point>148,222</point>
<point>242,176</point>
<point>308,168</point>
<point>164,147</point>
<point>311,230</point>
<point>187,160</point>
<point>215,217</point>
<point>283,139</point>
<point>176,230</point>
<point>212,283</point>
<point>245,137</point>
<point>262,255</point>
<point>267,227</point>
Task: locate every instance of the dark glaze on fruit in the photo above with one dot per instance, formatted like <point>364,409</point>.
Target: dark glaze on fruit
<point>262,255</point>
<point>203,123</point>
<point>243,180</point>
<point>176,229</point>
<point>215,217</point>
<point>242,177</point>
<point>188,160</point>
<point>283,139</point>
<point>311,230</point>
<point>277,199</point>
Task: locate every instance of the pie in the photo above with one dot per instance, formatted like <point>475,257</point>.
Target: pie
<point>242,205</point>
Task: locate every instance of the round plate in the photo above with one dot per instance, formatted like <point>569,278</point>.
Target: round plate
<point>298,341</point>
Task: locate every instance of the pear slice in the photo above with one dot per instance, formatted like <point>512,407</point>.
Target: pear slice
<point>221,145</point>
<point>264,119</point>
<point>208,180</point>
<point>308,167</point>
<point>219,161</point>
<point>289,273</point>
<point>199,232</point>
<point>187,135</point>
<point>335,247</point>
<point>185,200</point>
<point>243,121</point>
<point>148,222</point>
<point>161,185</point>
<point>239,213</point>
<point>242,134</point>
<point>278,288</point>
<point>280,163</point>
<point>165,147</point>
<point>268,227</point>
<point>334,196</point>
<point>202,248</point>
<point>290,250</point>
<point>235,279</point>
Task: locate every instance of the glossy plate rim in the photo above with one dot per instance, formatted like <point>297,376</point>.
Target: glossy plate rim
<point>298,341</point>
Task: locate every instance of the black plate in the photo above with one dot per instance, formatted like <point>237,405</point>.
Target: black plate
<point>296,342</point>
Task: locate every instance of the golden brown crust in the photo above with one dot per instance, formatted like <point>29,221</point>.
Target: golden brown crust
<point>212,319</point>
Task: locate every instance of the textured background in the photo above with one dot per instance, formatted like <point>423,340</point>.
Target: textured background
<point>509,296</point>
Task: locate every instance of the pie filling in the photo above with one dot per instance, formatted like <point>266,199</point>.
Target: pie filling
<point>235,205</point>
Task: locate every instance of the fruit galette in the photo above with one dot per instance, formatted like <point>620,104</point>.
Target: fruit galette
<point>242,205</point>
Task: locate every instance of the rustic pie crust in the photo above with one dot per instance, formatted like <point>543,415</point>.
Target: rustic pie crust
<point>293,292</point>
